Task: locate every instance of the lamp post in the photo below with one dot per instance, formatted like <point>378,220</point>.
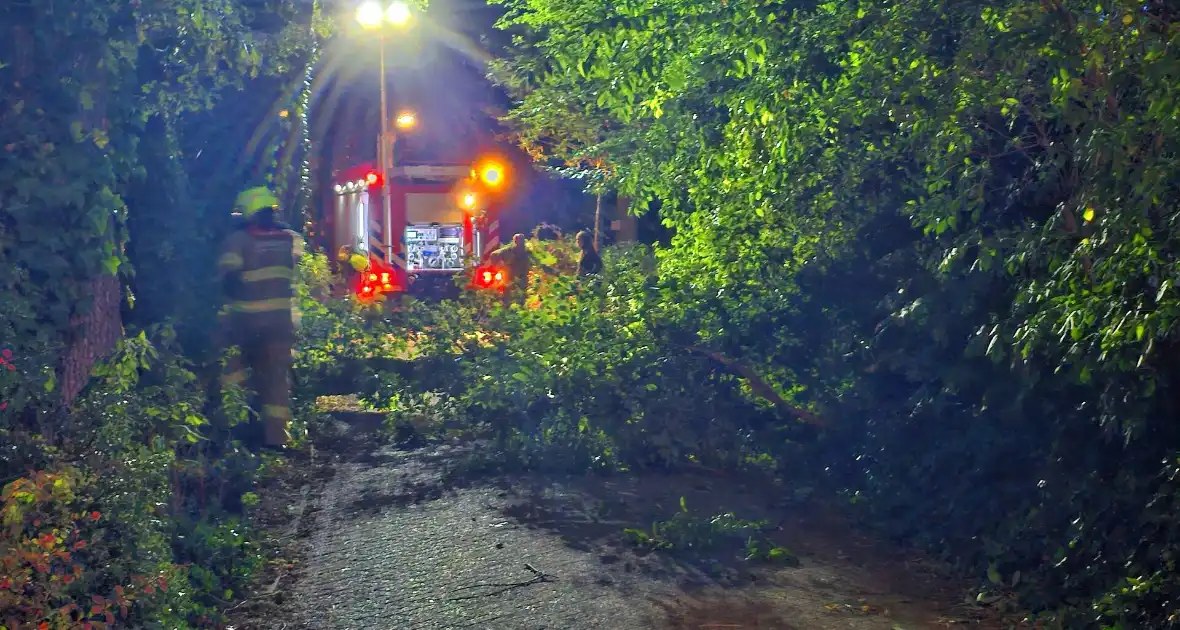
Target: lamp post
<point>371,16</point>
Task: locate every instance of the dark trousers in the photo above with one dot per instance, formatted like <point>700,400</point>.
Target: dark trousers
<point>516,291</point>
<point>265,358</point>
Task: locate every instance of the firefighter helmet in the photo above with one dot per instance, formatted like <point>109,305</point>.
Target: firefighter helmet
<point>359,262</point>
<point>252,200</point>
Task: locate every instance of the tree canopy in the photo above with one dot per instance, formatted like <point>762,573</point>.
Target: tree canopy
<point>945,226</point>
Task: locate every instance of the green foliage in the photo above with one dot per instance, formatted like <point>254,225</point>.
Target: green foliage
<point>110,165</point>
<point>51,539</point>
<point>222,560</point>
<point>118,516</point>
<point>90,116</point>
<point>586,375</point>
<point>685,532</point>
<point>942,225</point>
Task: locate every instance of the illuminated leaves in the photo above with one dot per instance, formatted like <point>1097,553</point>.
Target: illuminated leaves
<point>862,193</point>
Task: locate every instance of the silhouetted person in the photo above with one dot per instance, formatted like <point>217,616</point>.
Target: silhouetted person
<point>517,260</point>
<point>589,262</point>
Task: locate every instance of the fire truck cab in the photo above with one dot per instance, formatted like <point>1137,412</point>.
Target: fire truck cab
<point>439,222</point>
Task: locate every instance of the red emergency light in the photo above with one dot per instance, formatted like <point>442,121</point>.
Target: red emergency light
<point>373,178</point>
<point>489,277</point>
<point>373,284</point>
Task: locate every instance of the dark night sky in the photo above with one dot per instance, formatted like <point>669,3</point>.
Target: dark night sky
<point>436,69</point>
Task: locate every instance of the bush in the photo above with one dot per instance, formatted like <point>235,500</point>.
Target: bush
<point>122,519</point>
<point>590,374</point>
<point>60,569</point>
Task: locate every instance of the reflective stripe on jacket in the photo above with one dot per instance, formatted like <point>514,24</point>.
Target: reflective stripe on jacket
<point>261,264</point>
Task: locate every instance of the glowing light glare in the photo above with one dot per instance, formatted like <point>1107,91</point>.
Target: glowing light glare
<point>499,276</point>
<point>370,15</point>
<point>491,174</point>
<point>405,120</point>
<point>487,276</point>
<point>398,13</point>
<point>469,200</point>
<point>371,178</point>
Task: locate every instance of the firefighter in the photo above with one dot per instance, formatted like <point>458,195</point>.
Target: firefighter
<point>257,271</point>
<point>516,259</point>
<point>346,257</point>
<point>351,264</point>
<point>359,262</point>
<point>589,262</point>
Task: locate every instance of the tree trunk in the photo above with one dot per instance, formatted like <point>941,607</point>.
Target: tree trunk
<point>96,333</point>
<point>597,219</point>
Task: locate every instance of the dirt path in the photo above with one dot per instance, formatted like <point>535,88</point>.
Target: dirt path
<point>405,540</point>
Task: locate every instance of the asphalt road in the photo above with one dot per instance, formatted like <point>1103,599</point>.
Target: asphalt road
<point>394,548</point>
<point>402,540</point>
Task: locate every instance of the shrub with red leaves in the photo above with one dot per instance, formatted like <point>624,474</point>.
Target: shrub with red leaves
<point>43,580</point>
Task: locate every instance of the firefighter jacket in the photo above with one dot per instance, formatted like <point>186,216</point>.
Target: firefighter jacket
<point>257,266</point>
<point>517,259</point>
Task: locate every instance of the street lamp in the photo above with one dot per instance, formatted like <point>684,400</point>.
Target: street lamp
<point>371,16</point>
<point>405,120</point>
<point>397,13</point>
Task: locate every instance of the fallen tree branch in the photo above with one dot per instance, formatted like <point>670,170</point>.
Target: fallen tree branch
<point>538,577</point>
<point>760,386</point>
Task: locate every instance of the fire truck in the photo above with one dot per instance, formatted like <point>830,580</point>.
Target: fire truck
<point>441,220</point>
